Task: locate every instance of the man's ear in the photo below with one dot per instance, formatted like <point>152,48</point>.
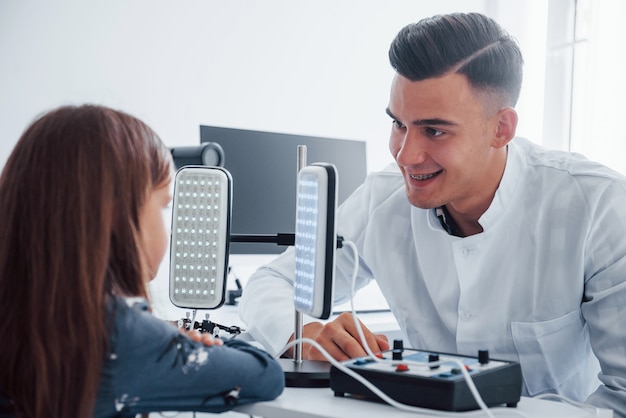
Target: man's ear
<point>506,120</point>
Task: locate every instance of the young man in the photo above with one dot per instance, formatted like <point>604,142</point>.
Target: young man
<point>481,240</point>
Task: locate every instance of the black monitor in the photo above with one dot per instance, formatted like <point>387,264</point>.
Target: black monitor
<point>263,166</point>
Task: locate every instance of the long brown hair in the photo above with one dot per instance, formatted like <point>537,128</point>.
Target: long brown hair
<point>70,196</point>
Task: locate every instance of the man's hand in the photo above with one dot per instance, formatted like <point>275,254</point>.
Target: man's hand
<point>340,338</point>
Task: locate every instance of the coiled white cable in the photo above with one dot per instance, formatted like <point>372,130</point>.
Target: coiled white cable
<point>489,412</point>
<point>386,398</point>
<point>382,395</point>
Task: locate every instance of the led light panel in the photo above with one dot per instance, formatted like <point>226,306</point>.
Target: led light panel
<point>315,240</point>
<point>200,234</point>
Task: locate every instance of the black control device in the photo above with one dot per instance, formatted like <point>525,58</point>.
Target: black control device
<point>411,378</point>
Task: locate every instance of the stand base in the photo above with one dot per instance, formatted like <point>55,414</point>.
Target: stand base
<point>308,374</point>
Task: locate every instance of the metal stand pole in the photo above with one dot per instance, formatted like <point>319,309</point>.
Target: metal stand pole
<point>299,372</point>
<point>297,335</point>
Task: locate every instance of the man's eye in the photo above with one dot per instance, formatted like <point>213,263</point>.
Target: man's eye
<point>397,124</point>
<point>434,132</point>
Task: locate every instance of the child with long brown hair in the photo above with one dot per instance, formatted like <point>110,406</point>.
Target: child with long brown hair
<point>81,235</point>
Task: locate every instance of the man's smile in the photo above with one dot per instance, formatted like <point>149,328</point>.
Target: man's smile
<point>427,176</point>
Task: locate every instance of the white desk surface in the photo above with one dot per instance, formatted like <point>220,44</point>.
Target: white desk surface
<point>321,403</point>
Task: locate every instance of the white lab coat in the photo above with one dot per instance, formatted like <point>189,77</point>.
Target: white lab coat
<point>544,283</point>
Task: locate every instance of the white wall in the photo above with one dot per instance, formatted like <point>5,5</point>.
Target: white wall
<point>303,67</point>
<point>527,22</point>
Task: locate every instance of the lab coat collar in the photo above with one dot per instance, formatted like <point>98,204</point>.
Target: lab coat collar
<point>506,190</point>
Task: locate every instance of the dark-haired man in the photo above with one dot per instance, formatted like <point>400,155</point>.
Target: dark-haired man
<point>477,239</point>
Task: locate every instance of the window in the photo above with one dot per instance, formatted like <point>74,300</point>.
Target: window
<point>598,89</point>
<point>585,61</point>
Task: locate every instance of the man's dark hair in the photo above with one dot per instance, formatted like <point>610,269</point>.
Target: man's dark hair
<point>470,44</point>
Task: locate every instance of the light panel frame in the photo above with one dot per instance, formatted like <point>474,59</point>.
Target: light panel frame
<point>200,237</point>
<point>316,240</point>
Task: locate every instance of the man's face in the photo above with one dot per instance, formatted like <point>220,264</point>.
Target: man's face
<point>444,143</point>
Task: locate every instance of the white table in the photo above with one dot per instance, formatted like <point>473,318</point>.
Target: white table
<point>321,403</point>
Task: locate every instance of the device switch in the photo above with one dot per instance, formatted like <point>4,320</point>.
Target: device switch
<point>433,358</point>
<point>398,348</point>
<point>483,356</point>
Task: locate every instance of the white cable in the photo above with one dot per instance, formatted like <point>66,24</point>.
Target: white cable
<point>466,376</point>
<point>590,408</point>
<point>483,407</point>
<point>382,395</point>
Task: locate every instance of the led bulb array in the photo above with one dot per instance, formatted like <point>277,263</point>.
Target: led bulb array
<point>306,239</point>
<point>315,239</point>
<point>199,253</point>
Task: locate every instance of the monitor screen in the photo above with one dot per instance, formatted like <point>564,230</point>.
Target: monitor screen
<point>263,166</point>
